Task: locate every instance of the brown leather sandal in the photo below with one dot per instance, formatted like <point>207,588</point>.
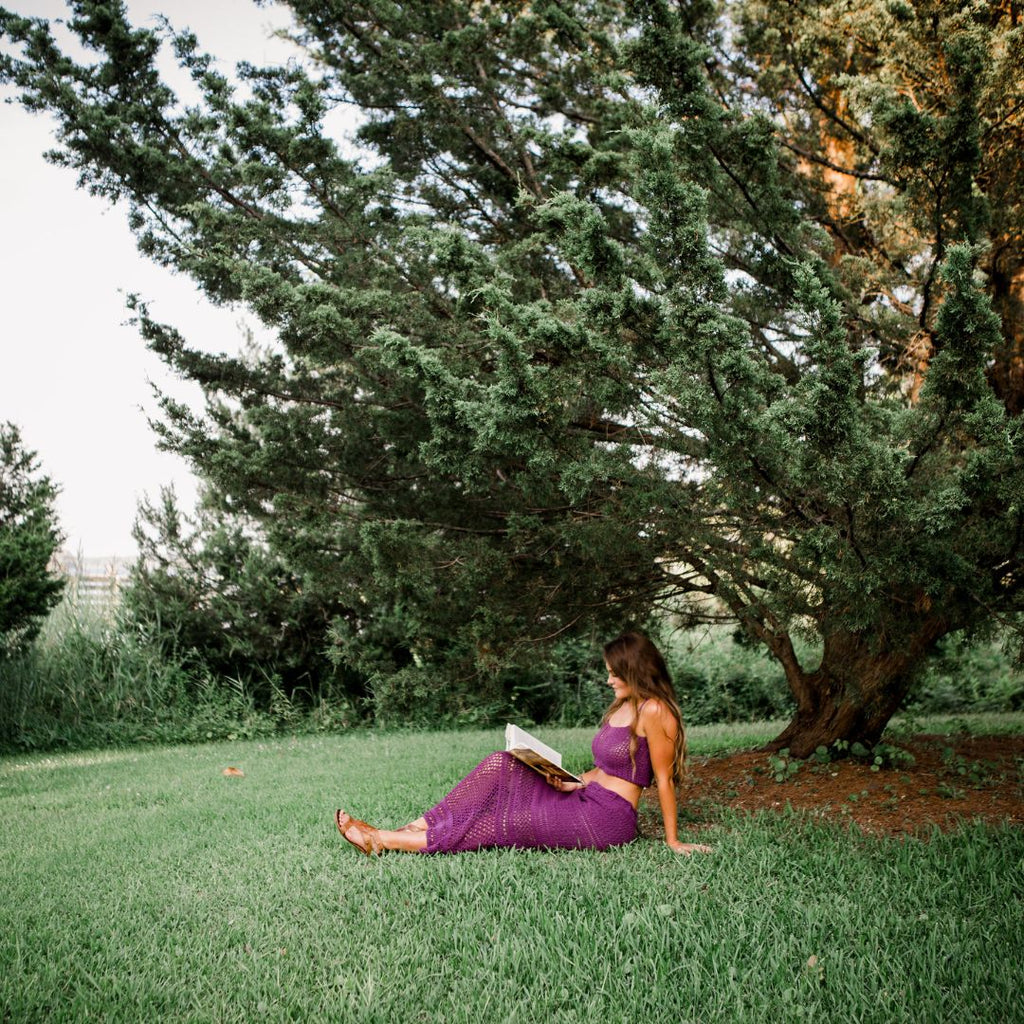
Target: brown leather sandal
<point>370,843</point>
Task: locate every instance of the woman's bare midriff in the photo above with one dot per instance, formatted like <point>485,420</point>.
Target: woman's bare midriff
<point>627,790</point>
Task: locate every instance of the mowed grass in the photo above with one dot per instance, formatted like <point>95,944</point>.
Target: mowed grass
<point>145,885</point>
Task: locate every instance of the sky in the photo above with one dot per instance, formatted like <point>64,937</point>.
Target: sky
<point>75,378</point>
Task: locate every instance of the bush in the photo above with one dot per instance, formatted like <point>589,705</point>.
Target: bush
<point>81,684</point>
<point>87,682</point>
<point>966,676</point>
<point>719,678</point>
<point>563,684</point>
<point>213,598</point>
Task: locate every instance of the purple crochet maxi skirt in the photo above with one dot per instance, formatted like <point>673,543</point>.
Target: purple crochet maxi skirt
<point>502,802</point>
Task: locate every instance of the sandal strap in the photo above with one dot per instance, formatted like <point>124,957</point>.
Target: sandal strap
<point>370,844</point>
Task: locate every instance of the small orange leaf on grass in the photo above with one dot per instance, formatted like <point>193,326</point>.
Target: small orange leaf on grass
<point>235,772</point>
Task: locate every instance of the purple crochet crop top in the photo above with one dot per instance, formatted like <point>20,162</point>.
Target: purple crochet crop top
<point>611,754</point>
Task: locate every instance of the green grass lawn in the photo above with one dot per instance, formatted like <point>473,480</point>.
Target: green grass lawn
<point>142,884</point>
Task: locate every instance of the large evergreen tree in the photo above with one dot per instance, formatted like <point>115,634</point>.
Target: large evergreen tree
<point>624,307</point>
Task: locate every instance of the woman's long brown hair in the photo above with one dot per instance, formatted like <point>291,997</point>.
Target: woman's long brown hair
<point>636,661</point>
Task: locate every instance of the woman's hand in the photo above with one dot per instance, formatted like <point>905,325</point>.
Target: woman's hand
<point>687,848</point>
<point>563,785</point>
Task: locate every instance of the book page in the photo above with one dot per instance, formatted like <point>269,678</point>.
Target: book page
<point>539,756</point>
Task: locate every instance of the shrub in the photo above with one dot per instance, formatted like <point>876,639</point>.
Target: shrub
<point>217,601</point>
<point>968,676</point>
<point>720,678</point>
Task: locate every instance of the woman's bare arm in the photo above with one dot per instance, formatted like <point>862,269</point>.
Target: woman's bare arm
<point>660,727</point>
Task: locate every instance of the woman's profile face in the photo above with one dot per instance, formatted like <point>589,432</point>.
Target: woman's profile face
<point>619,686</point>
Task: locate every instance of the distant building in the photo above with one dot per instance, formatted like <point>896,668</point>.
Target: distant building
<point>93,580</point>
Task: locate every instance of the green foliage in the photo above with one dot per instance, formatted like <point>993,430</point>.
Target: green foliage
<point>87,682</point>
<point>782,766</point>
<point>960,769</point>
<point>211,598</point>
<point>961,676</point>
<point>882,755</point>
<point>568,686</point>
<point>877,757</point>
<point>29,536</point>
<point>721,677</point>
<point>612,309</point>
<point>563,684</point>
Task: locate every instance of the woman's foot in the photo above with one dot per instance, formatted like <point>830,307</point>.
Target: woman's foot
<point>419,825</point>
<point>362,836</point>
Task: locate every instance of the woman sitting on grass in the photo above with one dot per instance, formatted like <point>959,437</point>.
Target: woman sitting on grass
<point>502,802</point>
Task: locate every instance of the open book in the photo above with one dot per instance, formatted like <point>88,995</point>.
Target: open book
<point>528,749</point>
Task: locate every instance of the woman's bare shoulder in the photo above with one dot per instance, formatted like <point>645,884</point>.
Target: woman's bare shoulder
<point>654,715</point>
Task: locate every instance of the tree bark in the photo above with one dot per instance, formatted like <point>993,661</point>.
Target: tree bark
<point>859,685</point>
<point>1007,370</point>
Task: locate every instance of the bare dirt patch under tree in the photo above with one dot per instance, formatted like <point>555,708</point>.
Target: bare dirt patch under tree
<point>952,779</point>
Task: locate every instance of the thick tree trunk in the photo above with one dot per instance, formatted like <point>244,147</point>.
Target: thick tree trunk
<point>858,687</point>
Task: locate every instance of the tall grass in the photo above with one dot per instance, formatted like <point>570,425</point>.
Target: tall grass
<point>143,884</point>
<point>89,682</point>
